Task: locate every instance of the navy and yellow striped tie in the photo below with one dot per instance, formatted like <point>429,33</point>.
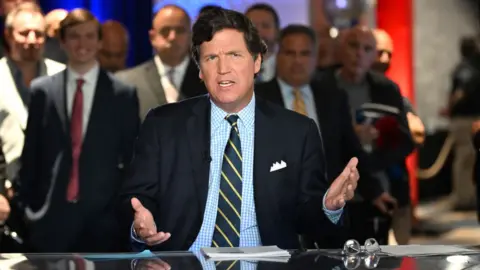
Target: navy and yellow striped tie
<point>227,265</point>
<point>227,225</point>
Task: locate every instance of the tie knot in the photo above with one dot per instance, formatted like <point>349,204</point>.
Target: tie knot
<point>232,119</point>
<point>80,82</point>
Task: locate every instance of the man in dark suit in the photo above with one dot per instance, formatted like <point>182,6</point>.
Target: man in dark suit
<point>79,138</point>
<point>171,75</point>
<point>257,165</point>
<point>294,89</point>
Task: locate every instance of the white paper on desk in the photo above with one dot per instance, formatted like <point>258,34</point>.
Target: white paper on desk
<point>424,250</point>
<point>282,259</point>
<point>245,252</point>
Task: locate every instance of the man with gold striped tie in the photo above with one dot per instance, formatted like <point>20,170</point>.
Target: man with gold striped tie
<point>230,169</point>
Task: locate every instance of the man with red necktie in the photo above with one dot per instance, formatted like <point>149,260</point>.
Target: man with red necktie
<point>79,138</point>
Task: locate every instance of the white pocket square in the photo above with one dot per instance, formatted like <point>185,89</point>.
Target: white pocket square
<point>278,165</point>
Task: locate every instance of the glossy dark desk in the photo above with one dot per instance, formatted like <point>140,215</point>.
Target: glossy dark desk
<point>306,260</point>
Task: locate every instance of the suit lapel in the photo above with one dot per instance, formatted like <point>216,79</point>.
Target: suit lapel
<point>263,159</point>
<point>154,80</point>
<point>190,77</point>
<point>102,96</point>
<point>320,108</point>
<point>59,82</point>
<point>271,91</point>
<point>198,133</point>
<point>10,97</point>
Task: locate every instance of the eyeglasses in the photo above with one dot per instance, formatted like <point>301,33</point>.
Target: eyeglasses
<point>352,247</point>
<point>354,254</point>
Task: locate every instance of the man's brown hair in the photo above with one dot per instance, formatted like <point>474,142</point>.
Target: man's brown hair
<point>76,17</point>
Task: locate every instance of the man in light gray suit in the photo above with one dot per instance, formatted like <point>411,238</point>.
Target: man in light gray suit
<point>25,35</point>
<point>171,75</point>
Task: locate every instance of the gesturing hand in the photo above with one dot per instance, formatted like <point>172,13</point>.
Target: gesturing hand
<point>144,225</point>
<point>343,188</point>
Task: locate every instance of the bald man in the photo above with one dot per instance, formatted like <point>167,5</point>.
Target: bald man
<point>171,75</point>
<point>355,78</point>
<point>113,55</point>
<point>384,50</point>
<point>53,19</point>
<point>402,216</point>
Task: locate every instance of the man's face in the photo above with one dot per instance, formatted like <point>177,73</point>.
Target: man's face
<point>228,68</point>
<point>113,54</point>
<point>384,52</point>
<point>296,59</point>
<point>9,5</point>
<point>27,36</point>
<point>170,36</point>
<point>358,51</point>
<point>265,24</point>
<point>82,43</point>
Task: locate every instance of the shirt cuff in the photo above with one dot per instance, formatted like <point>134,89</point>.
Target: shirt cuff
<point>134,236</point>
<point>333,216</point>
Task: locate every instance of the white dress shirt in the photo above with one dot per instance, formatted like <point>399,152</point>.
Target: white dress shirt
<point>268,70</point>
<point>88,90</point>
<point>289,97</point>
<point>171,89</point>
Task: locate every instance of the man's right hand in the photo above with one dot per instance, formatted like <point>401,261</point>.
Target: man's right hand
<point>4,209</point>
<point>385,203</point>
<point>144,225</point>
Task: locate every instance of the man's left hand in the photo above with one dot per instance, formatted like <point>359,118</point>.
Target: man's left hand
<point>343,188</point>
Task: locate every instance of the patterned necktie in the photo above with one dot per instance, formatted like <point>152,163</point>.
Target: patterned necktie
<point>76,135</point>
<point>227,225</point>
<point>228,265</point>
<point>298,102</point>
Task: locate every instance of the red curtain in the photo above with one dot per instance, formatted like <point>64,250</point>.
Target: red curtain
<point>396,17</point>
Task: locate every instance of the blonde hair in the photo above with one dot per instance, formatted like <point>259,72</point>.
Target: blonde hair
<point>30,7</point>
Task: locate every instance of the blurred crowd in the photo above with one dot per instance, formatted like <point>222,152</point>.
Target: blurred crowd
<point>65,154</point>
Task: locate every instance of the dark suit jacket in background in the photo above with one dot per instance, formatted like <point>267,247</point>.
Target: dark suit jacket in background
<point>383,91</point>
<point>170,174</point>
<point>146,79</point>
<point>89,224</point>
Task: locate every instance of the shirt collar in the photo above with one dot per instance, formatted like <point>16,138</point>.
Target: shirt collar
<point>41,67</point>
<point>288,89</point>
<point>163,69</point>
<point>90,77</point>
<point>246,116</point>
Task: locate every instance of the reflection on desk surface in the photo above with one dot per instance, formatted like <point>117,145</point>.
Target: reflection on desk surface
<point>326,259</point>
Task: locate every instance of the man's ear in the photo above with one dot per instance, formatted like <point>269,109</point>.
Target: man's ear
<point>258,63</point>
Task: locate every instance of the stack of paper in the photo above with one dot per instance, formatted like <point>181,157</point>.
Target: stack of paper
<point>266,253</point>
<point>425,250</point>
